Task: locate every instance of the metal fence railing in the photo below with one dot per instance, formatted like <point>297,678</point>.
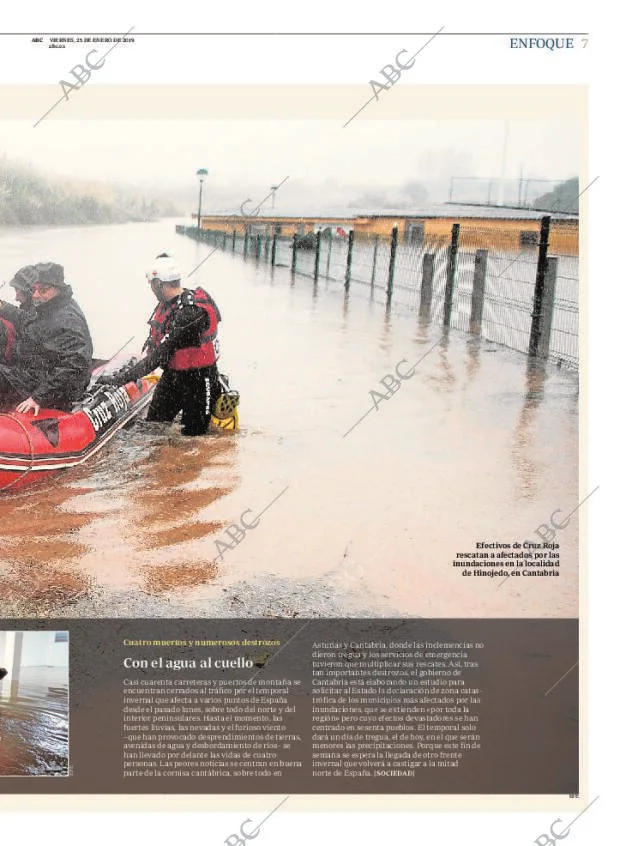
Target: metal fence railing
<point>519,289</point>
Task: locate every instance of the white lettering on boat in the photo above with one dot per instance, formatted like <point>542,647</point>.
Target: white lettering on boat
<point>110,404</point>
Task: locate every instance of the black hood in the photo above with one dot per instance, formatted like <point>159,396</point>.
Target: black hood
<point>61,299</point>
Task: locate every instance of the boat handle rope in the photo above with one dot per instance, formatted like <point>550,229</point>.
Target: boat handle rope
<point>31,446</point>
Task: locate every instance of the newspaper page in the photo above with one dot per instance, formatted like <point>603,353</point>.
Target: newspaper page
<point>322,546</point>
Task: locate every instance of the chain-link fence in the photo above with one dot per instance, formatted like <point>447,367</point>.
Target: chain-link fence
<point>516,287</point>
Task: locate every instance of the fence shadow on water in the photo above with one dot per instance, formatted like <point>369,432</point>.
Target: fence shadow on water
<point>521,292</point>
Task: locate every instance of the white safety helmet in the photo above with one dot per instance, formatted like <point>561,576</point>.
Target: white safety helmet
<point>164,269</point>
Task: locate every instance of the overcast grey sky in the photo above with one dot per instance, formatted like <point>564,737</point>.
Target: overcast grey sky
<point>260,153</point>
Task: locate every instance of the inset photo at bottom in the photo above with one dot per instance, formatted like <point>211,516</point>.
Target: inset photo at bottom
<point>34,703</point>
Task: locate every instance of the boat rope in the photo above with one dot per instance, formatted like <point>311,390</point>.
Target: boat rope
<point>31,447</point>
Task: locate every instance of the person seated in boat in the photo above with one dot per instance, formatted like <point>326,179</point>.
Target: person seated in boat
<point>183,342</point>
<point>8,337</point>
<point>21,282</point>
<point>52,360</point>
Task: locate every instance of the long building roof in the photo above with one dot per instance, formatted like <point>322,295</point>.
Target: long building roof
<point>437,210</point>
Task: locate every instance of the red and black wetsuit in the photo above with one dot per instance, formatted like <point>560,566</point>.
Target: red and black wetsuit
<point>182,341</point>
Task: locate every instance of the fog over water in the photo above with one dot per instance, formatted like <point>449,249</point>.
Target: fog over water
<point>326,166</point>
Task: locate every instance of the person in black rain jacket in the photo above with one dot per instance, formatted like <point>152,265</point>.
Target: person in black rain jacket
<point>21,282</point>
<point>52,360</point>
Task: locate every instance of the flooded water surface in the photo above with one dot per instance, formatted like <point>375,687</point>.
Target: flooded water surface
<point>331,500</point>
<point>34,723</point>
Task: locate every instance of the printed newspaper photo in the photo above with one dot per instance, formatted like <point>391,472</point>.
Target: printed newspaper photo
<point>290,424</point>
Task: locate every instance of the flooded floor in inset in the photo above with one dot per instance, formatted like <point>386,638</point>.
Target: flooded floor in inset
<point>34,723</point>
<point>331,500</point>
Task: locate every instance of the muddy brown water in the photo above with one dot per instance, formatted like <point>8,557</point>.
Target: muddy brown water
<point>359,519</point>
<point>34,723</point>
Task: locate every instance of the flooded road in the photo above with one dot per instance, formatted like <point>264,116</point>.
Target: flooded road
<point>352,504</point>
<point>34,723</point>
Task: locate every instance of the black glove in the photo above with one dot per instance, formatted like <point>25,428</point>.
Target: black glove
<point>115,380</point>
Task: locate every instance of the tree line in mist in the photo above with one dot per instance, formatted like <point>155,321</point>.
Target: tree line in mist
<point>27,197</point>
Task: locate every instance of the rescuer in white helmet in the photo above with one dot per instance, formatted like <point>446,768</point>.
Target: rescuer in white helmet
<point>182,341</point>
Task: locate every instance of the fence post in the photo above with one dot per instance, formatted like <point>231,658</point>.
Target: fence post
<point>548,303</point>
<point>329,252</point>
<point>258,246</point>
<point>390,280</point>
<point>451,274</point>
<point>426,291</point>
<point>347,273</point>
<point>234,240</point>
<point>539,290</point>
<point>245,244</point>
<point>224,241</point>
<point>477,293</point>
<point>274,241</point>
<point>374,261</point>
<point>317,255</point>
<point>294,257</point>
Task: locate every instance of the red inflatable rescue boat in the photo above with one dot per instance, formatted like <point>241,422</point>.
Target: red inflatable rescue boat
<point>35,448</point>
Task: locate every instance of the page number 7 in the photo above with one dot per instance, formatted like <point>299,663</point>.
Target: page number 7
<point>584,42</point>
